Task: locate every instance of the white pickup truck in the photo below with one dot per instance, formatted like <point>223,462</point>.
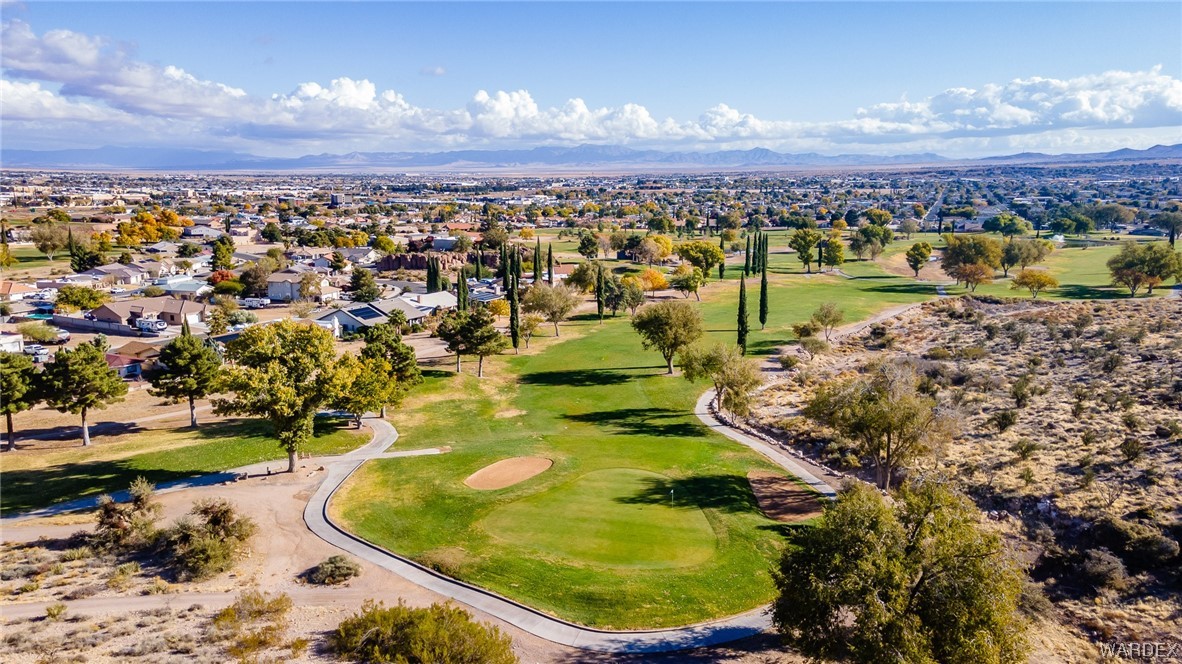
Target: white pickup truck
<point>256,302</point>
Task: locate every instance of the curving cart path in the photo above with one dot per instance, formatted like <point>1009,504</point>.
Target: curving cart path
<point>521,616</point>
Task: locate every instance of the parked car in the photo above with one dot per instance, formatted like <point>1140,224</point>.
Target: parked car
<point>118,291</point>
<point>62,336</point>
<point>38,352</point>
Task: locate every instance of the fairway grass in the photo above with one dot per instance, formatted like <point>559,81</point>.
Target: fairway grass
<point>581,521</point>
<point>595,539</point>
<point>39,478</point>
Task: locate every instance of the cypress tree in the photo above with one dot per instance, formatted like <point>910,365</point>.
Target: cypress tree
<point>599,291</point>
<point>550,264</point>
<point>514,318</point>
<point>763,298</point>
<point>538,258</point>
<point>479,265</point>
<point>431,280</point>
<point>743,326</point>
<point>757,247</point>
<point>516,261</point>
<point>747,258</point>
<point>461,291</point>
<point>506,269</point>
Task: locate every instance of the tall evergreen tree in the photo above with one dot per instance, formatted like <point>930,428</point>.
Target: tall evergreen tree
<point>743,324</point>
<point>461,291</point>
<point>763,298</point>
<point>514,317</point>
<point>20,387</point>
<point>747,259</point>
<point>758,249</point>
<point>79,379</point>
<point>549,264</point>
<point>506,269</point>
<point>190,369</point>
<point>516,261</point>
<point>537,258</point>
<point>599,290</point>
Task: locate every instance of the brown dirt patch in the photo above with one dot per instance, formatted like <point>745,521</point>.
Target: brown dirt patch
<point>507,472</point>
<point>782,498</point>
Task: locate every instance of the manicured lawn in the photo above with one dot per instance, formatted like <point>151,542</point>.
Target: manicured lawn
<point>595,539</point>
<point>29,257</point>
<point>36,479</point>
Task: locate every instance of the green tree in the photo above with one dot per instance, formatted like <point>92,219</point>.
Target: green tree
<point>763,303</point>
<point>632,294</point>
<point>1134,267</point>
<point>384,341</point>
<point>471,333</point>
<point>365,386</point>
<point>747,258</point>
<point>917,256</point>
<point>701,254</point>
<point>743,326</point>
<point>964,255</point>
<point>668,327</point>
<point>79,379</point>
<point>189,369</point>
<point>49,239</point>
<point>1111,216</point>
<point>588,246</point>
<point>1008,224</point>
<point>878,217</point>
<point>885,414</point>
<point>223,254</point>
<point>553,303</point>
<point>462,292</point>
<point>18,389</point>
<point>81,298</point>
<point>917,581</point>
<point>834,252</point>
<point>802,242</point>
<point>549,264</point>
<point>1160,263</point>
<point>734,376</point>
<point>364,286</point>
<point>1170,222</point>
<point>515,317</point>
<point>827,317</point>
<point>337,262</point>
<point>599,291</point>
<point>1034,281</point>
<point>272,233</point>
<point>384,245</point>
<point>285,372</point>
<point>688,280</point>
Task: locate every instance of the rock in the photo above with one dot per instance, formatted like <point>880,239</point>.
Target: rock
<point>1162,431</point>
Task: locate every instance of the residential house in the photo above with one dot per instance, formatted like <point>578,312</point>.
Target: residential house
<point>361,315</point>
<point>309,253</point>
<point>429,303</point>
<point>118,274</point>
<point>165,267</point>
<point>12,343</point>
<point>11,291</point>
<point>186,288</point>
<point>126,367</point>
<point>167,309</point>
<point>162,247</point>
<point>147,353</point>
<point>284,286</point>
<point>361,255</point>
<point>203,233</point>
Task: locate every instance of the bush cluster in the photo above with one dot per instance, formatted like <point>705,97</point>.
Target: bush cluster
<point>438,634</point>
<point>334,570</point>
<point>208,540</point>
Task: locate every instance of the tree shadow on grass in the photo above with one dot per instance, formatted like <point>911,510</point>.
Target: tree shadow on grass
<point>729,493</point>
<point>1081,292</point>
<point>575,378</point>
<point>30,489</point>
<point>643,422</point>
<point>913,288</point>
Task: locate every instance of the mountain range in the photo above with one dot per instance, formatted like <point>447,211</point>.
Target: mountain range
<point>583,157</point>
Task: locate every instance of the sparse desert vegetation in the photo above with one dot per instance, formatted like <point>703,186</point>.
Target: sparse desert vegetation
<point>1068,420</point>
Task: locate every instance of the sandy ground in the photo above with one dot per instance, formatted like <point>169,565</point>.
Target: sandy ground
<point>782,498</point>
<point>507,472</point>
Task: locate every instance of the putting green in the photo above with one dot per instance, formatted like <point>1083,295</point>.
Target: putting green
<point>607,517</point>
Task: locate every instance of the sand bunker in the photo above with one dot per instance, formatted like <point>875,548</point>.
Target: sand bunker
<point>507,472</point>
<point>781,498</point>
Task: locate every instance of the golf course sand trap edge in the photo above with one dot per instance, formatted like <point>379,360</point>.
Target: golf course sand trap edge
<point>782,498</point>
<point>507,472</point>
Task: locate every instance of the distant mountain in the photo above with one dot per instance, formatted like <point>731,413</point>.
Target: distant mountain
<point>538,159</point>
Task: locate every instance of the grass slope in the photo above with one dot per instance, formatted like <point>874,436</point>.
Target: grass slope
<point>36,479</point>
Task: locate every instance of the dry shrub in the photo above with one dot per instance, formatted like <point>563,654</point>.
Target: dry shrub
<point>439,634</point>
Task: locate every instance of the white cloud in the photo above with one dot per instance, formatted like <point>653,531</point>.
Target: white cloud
<point>72,77</point>
<point>433,71</point>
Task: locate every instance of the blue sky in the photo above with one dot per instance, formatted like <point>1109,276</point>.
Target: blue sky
<point>287,78</point>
